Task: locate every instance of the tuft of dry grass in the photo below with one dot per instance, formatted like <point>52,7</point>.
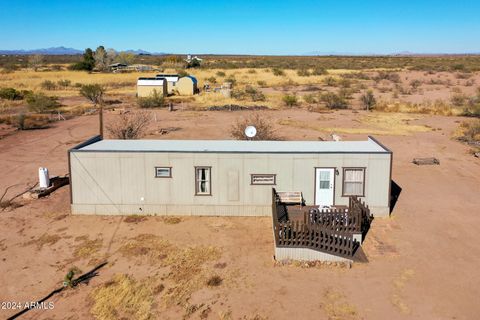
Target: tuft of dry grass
<point>123,298</point>
<point>398,285</point>
<point>87,248</point>
<point>214,281</point>
<point>336,307</point>
<point>468,131</point>
<point>134,218</point>
<point>172,220</point>
<point>44,239</point>
<point>148,246</point>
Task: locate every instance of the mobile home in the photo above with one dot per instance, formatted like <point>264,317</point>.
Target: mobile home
<point>223,177</point>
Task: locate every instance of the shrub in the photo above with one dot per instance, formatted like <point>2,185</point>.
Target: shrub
<point>318,71</point>
<point>130,125</point>
<point>93,92</point>
<point>155,100</point>
<point>10,94</point>
<point>211,80</point>
<point>39,102</point>
<point>415,83</point>
<point>220,74</point>
<point>48,85</point>
<point>265,130</point>
<point>182,73</point>
<point>290,100</point>
<point>387,75</point>
<point>250,93</point>
<point>330,81</point>
<point>64,83</point>
<point>368,100</point>
<point>262,83</point>
<point>458,99</point>
<point>252,71</point>
<point>333,101</point>
<point>303,73</point>
<point>310,98</point>
<point>278,72</point>
<point>232,80</point>
<point>470,131</point>
<point>30,122</point>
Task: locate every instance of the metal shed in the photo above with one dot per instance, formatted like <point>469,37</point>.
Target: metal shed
<point>146,86</point>
<point>224,177</point>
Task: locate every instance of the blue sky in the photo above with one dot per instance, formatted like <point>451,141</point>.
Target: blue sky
<point>245,27</point>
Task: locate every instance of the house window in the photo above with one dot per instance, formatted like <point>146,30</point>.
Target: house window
<point>354,182</point>
<point>263,179</point>
<point>163,172</point>
<point>203,183</point>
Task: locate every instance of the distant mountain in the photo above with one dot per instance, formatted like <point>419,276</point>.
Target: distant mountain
<point>68,51</point>
<point>45,51</point>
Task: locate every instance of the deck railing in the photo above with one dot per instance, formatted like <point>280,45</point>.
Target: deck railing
<point>329,231</point>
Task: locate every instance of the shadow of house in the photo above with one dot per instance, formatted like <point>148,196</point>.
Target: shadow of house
<point>395,191</point>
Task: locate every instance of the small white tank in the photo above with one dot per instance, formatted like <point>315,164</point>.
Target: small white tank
<point>43,178</point>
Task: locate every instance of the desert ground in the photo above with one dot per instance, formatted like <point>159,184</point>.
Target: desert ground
<point>422,260</point>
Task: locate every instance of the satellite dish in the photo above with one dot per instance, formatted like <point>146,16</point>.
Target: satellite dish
<point>250,131</point>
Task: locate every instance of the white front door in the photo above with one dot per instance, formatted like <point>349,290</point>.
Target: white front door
<point>324,186</point>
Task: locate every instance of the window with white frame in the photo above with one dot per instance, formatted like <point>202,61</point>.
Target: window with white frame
<point>263,179</point>
<point>354,182</point>
<point>203,184</point>
<point>163,172</point>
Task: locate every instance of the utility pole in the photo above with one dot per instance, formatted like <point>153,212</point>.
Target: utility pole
<point>100,119</point>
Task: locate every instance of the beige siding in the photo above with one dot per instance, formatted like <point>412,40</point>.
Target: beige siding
<point>185,86</point>
<point>146,91</point>
<point>125,183</point>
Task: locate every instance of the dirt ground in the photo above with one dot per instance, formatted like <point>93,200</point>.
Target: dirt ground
<point>423,260</point>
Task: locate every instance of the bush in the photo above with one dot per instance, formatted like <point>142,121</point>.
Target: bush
<point>470,131</point>
<point>232,80</point>
<point>262,83</point>
<point>278,72</point>
<point>250,93</point>
<point>318,71</point>
<point>220,74</point>
<point>310,98</point>
<point>39,102</point>
<point>333,101</point>
<point>368,100</point>
<point>330,81</point>
<point>155,100</point>
<point>182,73</point>
<point>290,100</point>
<point>93,92</point>
<point>387,75</point>
<point>10,94</point>
<point>458,99</point>
<point>265,130</point>
<point>303,73</point>
<point>64,83</point>
<point>30,122</point>
<point>415,83</point>
<point>48,85</point>
<point>130,126</point>
<point>211,80</point>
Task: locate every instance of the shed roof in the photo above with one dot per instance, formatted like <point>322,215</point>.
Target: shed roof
<point>150,81</point>
<point>236,146</point>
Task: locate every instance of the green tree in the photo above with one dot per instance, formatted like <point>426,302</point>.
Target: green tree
<point>94,93</point>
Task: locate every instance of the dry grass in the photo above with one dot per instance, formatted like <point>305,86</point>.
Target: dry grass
<point>433,108</point>
<point>398,285</point>
<point>134,218</point>
<point>123,298</point>
<point>172,220</point>
<point>380,124</point>
<point>187,273</point>
<point>148,246</point>
<point>468,131</point>
<point>44,240</point>
<point>87,248</point>
<point>336,307</point>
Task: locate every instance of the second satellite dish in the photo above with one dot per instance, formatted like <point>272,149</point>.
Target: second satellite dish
<point>250,131</point>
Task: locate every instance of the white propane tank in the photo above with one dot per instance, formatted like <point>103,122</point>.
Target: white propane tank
<point>43,178</point>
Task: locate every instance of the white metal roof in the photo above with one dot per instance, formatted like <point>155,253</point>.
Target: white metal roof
<point>150,82</point>
<point>234,146</point>
<point>170,78</point>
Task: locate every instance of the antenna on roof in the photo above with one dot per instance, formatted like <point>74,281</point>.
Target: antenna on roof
<point>250,132</point>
